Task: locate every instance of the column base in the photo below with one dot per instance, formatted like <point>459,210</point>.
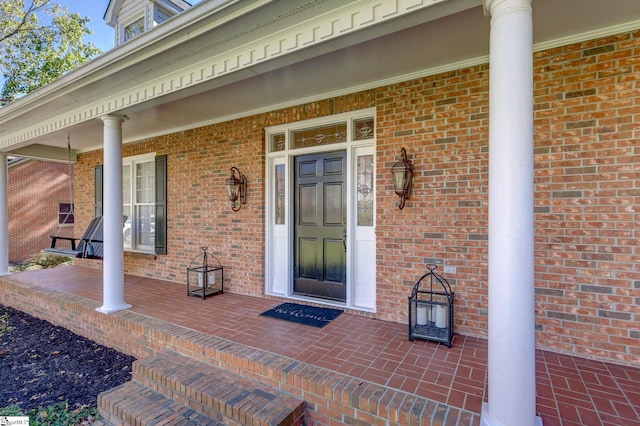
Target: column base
<point>5,273</point>
<point>112,309</point>
<point>486,420</point>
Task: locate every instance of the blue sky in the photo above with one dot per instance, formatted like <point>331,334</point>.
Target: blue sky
<point>103,36</point>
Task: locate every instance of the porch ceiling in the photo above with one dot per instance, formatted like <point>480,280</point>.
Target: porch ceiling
<point>446,35</point>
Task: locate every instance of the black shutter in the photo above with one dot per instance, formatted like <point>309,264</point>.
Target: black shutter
<point>97,203</point>
<point>161,204</point>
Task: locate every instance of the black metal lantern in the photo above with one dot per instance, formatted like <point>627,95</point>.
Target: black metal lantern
<point>236,189</point>
<point>431,309</point>
<point>402,173</point>
<point>205,278</point>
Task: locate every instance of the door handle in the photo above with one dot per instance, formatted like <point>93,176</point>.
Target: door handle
<point>344,239</point>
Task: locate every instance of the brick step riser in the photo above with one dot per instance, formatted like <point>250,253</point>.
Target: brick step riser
<point>215,393</point>
<point>210,409</point>
<point>194,382</point>
<point>132,404</point>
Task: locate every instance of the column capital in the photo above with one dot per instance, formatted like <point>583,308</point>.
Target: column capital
<point>114,118</point>
<point>502,7</point>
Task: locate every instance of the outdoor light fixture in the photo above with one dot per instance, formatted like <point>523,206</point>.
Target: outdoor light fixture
<point>402,173</point>
<point>236,188</point>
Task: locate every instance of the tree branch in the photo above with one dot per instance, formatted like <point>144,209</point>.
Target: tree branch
<point>33,8</point>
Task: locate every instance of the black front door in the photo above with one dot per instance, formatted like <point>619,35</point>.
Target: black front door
<point>320,226</point>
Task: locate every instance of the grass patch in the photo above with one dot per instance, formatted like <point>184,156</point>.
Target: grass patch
<point>54,415</point>
<point>4,324</point>
<point>42,261</point>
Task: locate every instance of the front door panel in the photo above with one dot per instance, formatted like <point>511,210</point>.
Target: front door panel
<point>320,224</point>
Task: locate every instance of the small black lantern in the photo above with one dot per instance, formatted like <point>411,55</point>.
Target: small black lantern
<point>431,309</point>
<point>205,278</point>
<point>236,188</point>
<point>402,173</point>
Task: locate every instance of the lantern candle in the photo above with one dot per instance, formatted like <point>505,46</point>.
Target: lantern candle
<point>441,316</point>
<point>421,315</point>
<point>211,279</point>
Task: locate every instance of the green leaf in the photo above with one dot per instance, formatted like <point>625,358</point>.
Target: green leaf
<point>39,42</point>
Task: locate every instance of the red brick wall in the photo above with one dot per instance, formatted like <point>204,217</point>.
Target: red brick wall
<point>199,211</point>
<point>35,190</point>
<point>442,122</point>
<point>587,189</point>
<point>587,124</point>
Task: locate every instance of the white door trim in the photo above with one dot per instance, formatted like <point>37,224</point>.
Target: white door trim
<point>361,287</point>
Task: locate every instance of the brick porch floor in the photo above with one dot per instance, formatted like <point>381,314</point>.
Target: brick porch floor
<point>571,390</point>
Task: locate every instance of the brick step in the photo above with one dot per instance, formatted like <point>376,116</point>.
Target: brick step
<point>217,394</point>
<point>133,404</point>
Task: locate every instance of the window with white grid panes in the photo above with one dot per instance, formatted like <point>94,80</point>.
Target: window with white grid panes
<point>138,194</point>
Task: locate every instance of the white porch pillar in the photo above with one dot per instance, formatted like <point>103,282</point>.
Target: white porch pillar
<point>113,266</point>
<point>511,363</point>
<point>4,215</point>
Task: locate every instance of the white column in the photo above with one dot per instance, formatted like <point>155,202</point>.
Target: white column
<point>511,363</point>
<point>4,215</point>
<point>113,266</point>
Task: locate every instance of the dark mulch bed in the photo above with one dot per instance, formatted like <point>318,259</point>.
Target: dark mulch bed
<point>42,364</point>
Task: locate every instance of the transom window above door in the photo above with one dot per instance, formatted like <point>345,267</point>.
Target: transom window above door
<point>327,134</point>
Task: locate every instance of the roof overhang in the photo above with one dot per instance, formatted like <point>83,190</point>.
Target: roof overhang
<point>225,59</point>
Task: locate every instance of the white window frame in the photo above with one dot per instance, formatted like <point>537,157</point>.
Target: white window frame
<point>130,22</point>
<point>132,223</point>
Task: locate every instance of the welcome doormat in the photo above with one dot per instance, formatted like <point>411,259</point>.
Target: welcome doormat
<point>302,314</point>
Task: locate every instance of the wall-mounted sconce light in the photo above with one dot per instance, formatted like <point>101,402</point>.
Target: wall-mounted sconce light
<point>402,173</point>
<point>236,188</point>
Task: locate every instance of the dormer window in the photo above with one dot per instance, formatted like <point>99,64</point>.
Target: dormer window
<point>134,29</point>
<point>131,18</point>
